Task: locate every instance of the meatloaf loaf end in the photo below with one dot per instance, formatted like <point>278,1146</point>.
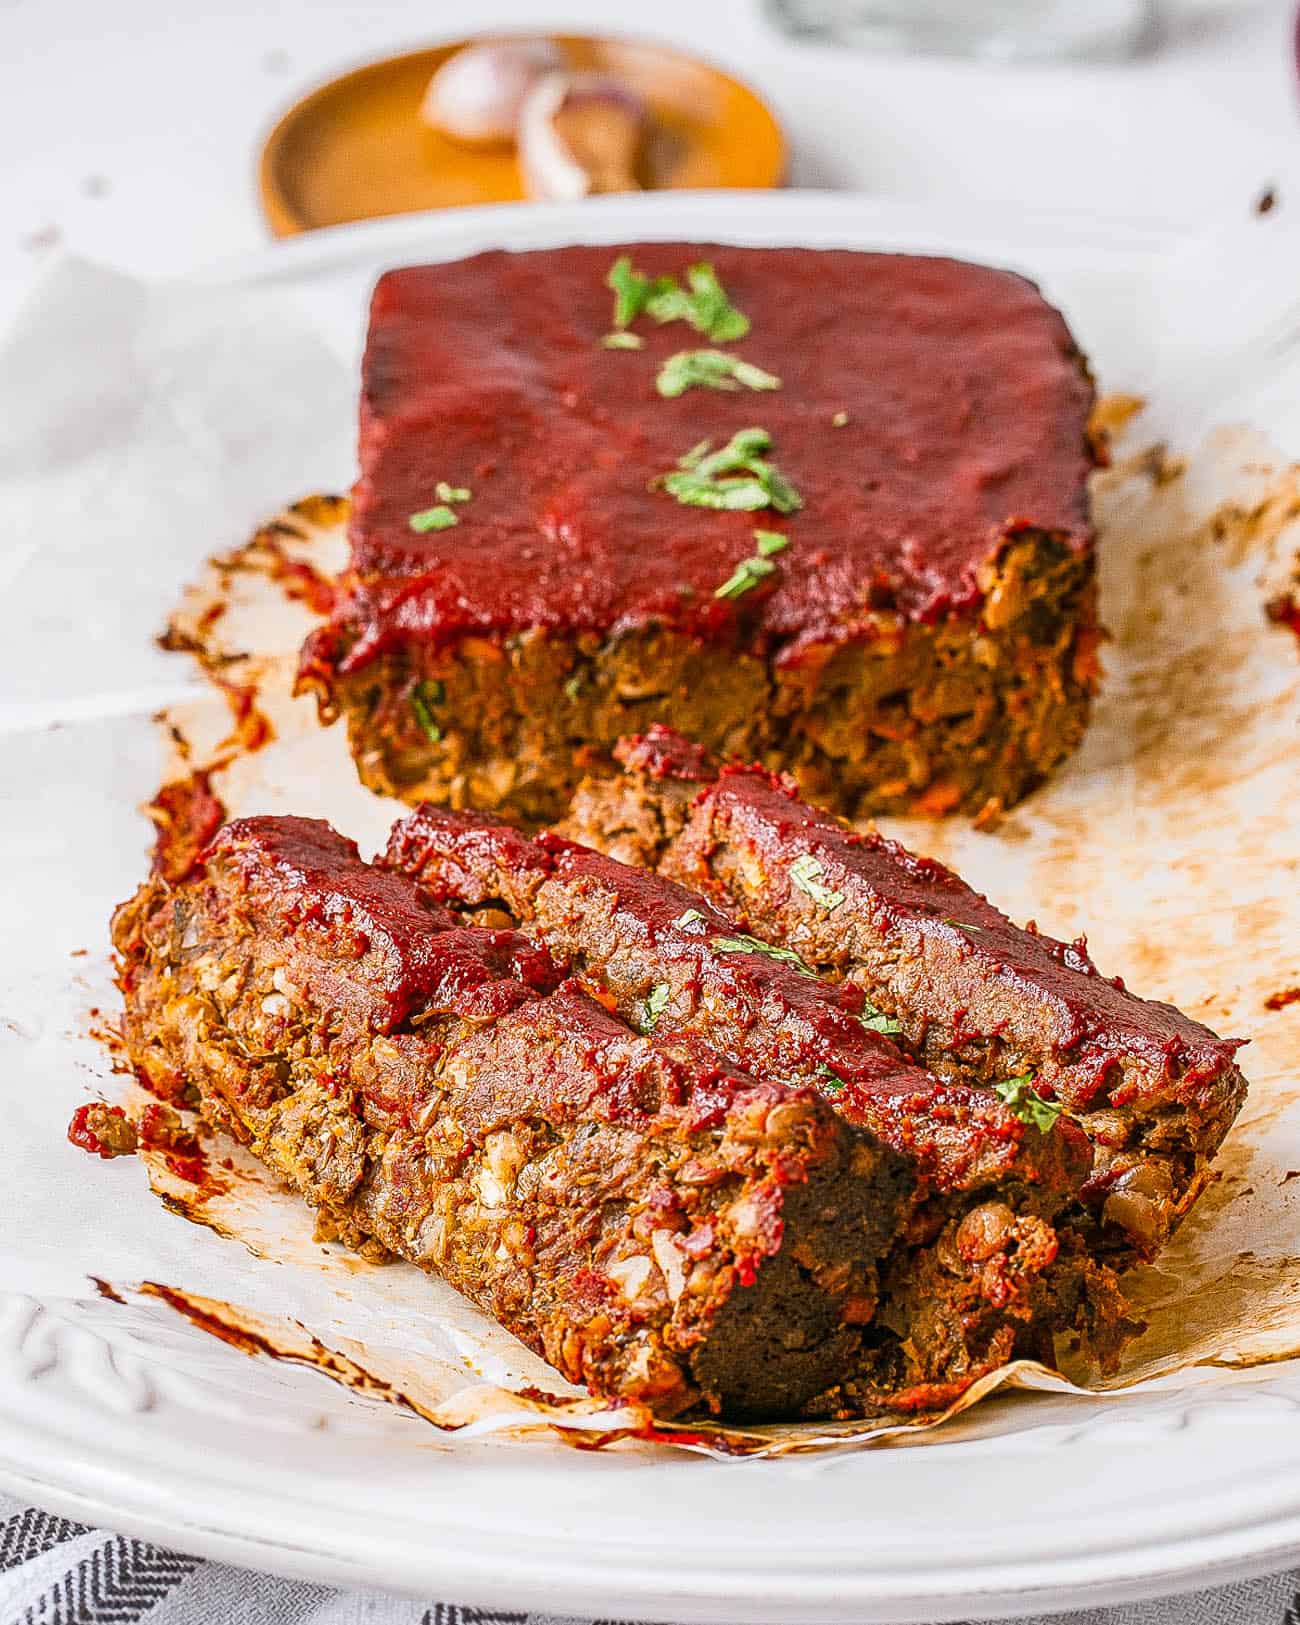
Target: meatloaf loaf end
<point>891,597</point>
<point>980,1272</point>
<point>659,1224</point>
<point>976,997</point>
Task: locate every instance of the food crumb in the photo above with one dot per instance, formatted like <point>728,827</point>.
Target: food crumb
<point>102,1130</point>
<point>990,815</point>
<point>1284,610</point>
<point>186,815</point>
<point>1113,412</point>
<point>162,1130</point>
<point>1266,202</point>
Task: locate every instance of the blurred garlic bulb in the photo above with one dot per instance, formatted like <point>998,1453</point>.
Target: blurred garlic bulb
<point>476,95</point>
<point>578,134</point>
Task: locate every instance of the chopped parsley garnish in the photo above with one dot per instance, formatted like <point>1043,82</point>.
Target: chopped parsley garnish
<point>656,1002</point>
<point>633,290</point>
<point>439,518</point>
<point>691,917</point>
<point>702,302</point>
<point>1027,1104</point>
<point>733,496</point>
<point>770,541</point>
<point>710,369</point>
<point>424,696</point>
<point>962,926</point>
<point>748,573</point>
<point>573,687</point>
<point>751,945</point>
<point>742,451</point>
<point>839,420</point>
<point>452,493</point>
<point>832,1083</point>
<point>806,872</point>
<point>737,476</point>
<point>623,341</point>
<point>876,1021</point>
<point>698,452</point>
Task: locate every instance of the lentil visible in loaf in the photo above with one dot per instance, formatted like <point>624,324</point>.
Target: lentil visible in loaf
<point>979,1272</point>
<point>977,998</point>
<point>658,1224</point>
<point>925,642</point>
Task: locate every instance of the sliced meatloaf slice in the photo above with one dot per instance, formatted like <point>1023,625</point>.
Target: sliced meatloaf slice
<point>977,998</point>
<point>980,1270</point>
<point>656,1222</point>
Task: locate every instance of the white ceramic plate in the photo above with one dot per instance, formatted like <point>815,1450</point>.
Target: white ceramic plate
<point>127,1417</point>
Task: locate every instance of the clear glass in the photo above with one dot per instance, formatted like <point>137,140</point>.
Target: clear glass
<point>996,30</point>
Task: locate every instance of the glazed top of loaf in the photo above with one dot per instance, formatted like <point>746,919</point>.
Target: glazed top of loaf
<point>927,409</point>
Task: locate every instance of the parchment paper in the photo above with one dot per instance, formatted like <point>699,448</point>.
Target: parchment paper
<point>142,430</point>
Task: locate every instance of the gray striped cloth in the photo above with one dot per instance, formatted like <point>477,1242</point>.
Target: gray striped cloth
<point>57,1572</point>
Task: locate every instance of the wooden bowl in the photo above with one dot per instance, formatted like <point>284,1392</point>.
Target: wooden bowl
<point>357,147</point>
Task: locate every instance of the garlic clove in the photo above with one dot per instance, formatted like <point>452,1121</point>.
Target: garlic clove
<point>580,134</point>
<point>476,95</point>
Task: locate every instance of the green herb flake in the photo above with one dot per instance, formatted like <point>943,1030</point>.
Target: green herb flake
<point>670,303</point>
<point>629,289</point>
<point>751,945</point>
<point>962,926</point>
<point>710,369</point>
<point>831,1082</point>
<point>839,420</point>
<point>709,309</point>
<point>573,687</point>
<point>741,452</point>
<point>748,573</point>
<point>781,494</point>
<point>1027,1104</point>
<point>736,477</point>
<point>424,696</point>
<point>623,341</point>
<point>769,542</point>
<point>876,1021</point>
<point>695,455</point>
<point>731,496</point>
<point>752,377</point>
<point>656,1002</point>
<point>702,302</point>
<point>692,916</point>
<point>806,872</point>
<point>452,493</point>
<point>439,518</point>
<point>633,291</point>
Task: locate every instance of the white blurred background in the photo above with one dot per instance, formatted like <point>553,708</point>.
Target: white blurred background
<point>129,128</point>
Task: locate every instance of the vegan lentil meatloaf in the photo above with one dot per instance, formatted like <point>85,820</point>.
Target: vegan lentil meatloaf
<point>977,998</point>
<point>658,1223</point>
<point>980,1271</point>
<point>896,603</point>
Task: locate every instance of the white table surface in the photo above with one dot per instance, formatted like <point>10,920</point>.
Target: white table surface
<point>129,128</point>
